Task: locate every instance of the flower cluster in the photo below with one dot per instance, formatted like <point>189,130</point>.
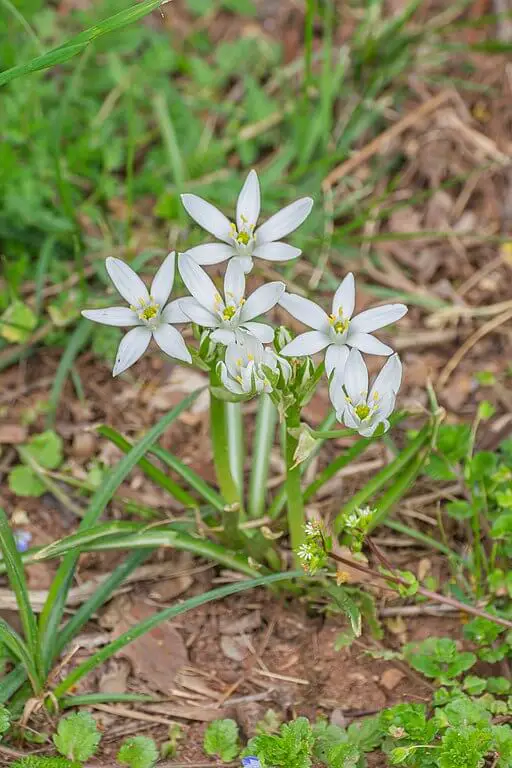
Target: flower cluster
<point>248,357</point>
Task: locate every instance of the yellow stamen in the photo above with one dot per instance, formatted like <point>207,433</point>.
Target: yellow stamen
<point>229,312</point>
<point>148,313</point>
<point>338,322</point>
<point>243,238</point>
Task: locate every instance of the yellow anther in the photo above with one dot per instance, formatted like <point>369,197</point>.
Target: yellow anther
<point>239,379</point>
<point>338,322</point>
<point>239,362</point>
<point>229,312</point>
<point>148,313</point>
<point>250,357</point>
<point>243,238</point>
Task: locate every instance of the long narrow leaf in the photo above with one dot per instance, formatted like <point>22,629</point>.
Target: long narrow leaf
<point>261,448</point>
<point>14,643</point>
<point>195,481</point>
<point>16,576</point>
<point>11,682</point>
<point>81,41</point>
<point>53,610</point>
<point>168,613</point>
<point>149,469</point>
<point>128,535</point>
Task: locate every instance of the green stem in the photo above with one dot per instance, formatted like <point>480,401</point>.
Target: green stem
<point>294,498</point>
<point>221,459</point>
<point>236,447</point>
<point>262,445</point>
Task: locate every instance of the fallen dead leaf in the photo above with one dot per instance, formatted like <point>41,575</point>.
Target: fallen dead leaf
<point>115,677</point>
<point>234,648</point>
<point>158,655</point>
<point>247,623</point>
<point>12,434</point>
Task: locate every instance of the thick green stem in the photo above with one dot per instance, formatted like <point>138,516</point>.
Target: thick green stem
<point>262,445</point>
<point>295,501</point>
<point>220,446</point>
<point>236,447</point>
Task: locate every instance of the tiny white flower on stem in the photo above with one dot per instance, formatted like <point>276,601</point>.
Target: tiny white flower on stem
<point>146,311</point>
<point>242,239</point>
<point>243,371</point>
<point>355,406</point>
<point>232,315</point>
<point>338,331</point>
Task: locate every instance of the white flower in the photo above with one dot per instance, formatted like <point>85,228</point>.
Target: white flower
<point>147,311</point>
<point>349,395</point>
<point>338,331</point>
<point>243,370</point>
<point>242,239</point>
<point>233,314</point>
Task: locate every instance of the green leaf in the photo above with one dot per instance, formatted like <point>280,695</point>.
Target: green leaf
<point>464,747</point>
<point>502,738</point>
<point>23,482</point>
<point>77,736</point>
<point>291,748</point>
<point>486,410</point>
<point>5,720</point>
<point>34,761</point>
<point>17,322</point>
<point>138,752</point>
<point>17,581</point>
<point>438,657</point>
<point>346,605</point>
<point>78,43</point>
<point>221,740</point>
<point>53,610</point>
<point>502,526</point>
<point>46,449</point>
<point>459,510</point>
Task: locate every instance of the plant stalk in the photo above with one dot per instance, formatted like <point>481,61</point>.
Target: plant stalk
<point>294,498</point>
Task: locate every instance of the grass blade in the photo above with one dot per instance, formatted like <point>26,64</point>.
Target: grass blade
<point>262,444</point>
<point>128,535</point>
<point>102,594</point>
<point>43,264</point>
<point>78,43</point>
<point>168,613</point>
<point>16,576</point>
<point>53,610</point>
<point>195,481</point>
<point>14,643</point>
<point>11,682</point>
<point>149,469</point>
<point>236,447</point>
<point>88,699</point>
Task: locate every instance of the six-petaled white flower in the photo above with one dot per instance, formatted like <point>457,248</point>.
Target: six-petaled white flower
<point>338,331</point>
<point>242,239</point>
<point>355,406</point>
<point>232,315</point>
<point>147,312</point>
<point>243,370</point>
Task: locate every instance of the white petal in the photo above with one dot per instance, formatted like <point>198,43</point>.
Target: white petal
<point>350,419</point>
<point>132,346</point>
<point>370,429</point>
<point>284,221</point>
<point>345,297</point>
<point>264,298</point>
<point>335,359</point>
<point>197,281</point>
<point>208,216</point>
<point>306,344</point>
<point>173,312</point>
<point>122,316</point>
<point>245,262</point>
<point>367,343</point>
<point>248,204</point>
<point>336,393</point>
<point>305,310</point>
<point>389,379</point>
<point>372,319</point>
<point>223,336</point>
<point>236,355</point>
<point>171,342</point>
<point>127,282</point>
<point>228,382</point>
<point>262,331</point>
<point>250,344</point>
<point>386,406</point>
<point>161,286</point>
<point>234,282</point>
<point>276,252</point>
<point>356,377</point>
<point>211,253</point>
<point>196,313</point>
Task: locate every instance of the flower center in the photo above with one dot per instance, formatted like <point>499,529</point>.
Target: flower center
<point>362,410</point>
<point>147,311</point>
<point>243,238</point>
<point>229,312</point>
<point>338,323</point>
